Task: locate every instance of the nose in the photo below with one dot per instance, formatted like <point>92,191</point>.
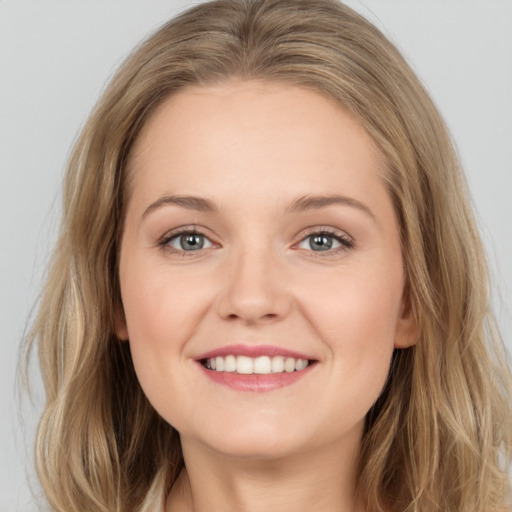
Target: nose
<point>254,290</point>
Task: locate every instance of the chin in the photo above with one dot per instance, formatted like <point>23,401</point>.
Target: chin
<point>259,440</point>
<point>258,448</point>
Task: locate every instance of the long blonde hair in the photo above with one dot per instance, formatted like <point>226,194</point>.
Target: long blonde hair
<point>439,437</point>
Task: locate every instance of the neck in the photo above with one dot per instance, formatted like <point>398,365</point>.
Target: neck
<point>321,479</point>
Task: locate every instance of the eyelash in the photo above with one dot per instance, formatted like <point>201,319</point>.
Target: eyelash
<point>345,241</point>
<point>163,243</point>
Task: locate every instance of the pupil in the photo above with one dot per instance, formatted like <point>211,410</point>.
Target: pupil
<point>321,242</point>
<point>192,241</point>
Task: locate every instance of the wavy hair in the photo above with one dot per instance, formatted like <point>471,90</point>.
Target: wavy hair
<point>439,436</point>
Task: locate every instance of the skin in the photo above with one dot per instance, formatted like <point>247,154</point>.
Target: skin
<point>252,148</point>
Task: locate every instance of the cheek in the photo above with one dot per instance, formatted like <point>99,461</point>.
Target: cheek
<point>361,302</point>
<point>356,314</point>
<point>162,313</point>
<point>159,305</point>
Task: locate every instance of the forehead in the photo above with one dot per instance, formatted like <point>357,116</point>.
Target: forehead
<point>252,134</point>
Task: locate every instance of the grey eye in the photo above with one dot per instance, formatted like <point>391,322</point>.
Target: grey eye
<point>189,242</point>
<point>320,242</point>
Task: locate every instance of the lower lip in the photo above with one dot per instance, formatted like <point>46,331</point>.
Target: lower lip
<point>256,382</point>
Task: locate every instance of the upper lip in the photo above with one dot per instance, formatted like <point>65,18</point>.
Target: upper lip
<point>252,351</point>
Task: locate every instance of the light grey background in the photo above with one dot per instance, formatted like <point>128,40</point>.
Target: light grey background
<point>55,58</point>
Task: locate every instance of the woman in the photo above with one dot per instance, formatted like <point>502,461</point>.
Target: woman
<point>268,290</point>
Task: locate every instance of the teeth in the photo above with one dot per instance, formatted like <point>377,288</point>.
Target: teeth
<point>300,364</point>
<point>277,364</point>
<point>244,365</point>
<point>262,365</point>
<point>289,364</point>
<point>230,364</point>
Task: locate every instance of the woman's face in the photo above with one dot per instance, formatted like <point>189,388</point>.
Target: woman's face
<point>260,238</point>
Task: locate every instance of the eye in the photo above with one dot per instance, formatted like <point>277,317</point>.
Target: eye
<point>187,241</point>
<point>323,241</point>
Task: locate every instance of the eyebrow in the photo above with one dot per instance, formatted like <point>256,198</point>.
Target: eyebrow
<point>315,202</point>
<point>189,202</point>
<point>301,204</point>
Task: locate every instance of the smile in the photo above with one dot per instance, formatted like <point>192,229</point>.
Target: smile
<point>255,368</point>
<point>263,365</point>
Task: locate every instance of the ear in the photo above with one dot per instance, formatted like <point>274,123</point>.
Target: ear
<point>406,333</point>
<point>120,326</point>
